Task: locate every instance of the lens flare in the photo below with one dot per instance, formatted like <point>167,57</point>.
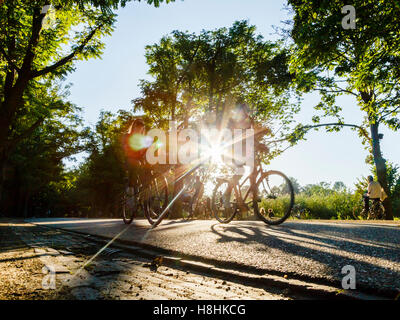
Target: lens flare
<point>214,153</point>
<point>158,144</point>
<point>138,141</point>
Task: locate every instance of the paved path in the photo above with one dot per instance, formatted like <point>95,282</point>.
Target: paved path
<point>28,253</point>
<point>308,249</point>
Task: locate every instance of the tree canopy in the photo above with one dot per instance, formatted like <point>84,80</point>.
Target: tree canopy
<point>40,41</point>
<point>205,75</point>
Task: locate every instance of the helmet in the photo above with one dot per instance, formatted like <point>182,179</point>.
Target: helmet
<point>137,125</point>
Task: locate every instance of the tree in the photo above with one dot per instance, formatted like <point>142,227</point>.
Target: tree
<point>168,97</point>
<point>339,186</point>
<point>362,62</point>
<point>295,184</point>
<point>99,181</point>
<point>35,53</point>
<point>321,189</point>
<point>35,165</point>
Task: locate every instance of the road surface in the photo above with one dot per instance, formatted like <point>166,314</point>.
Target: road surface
<point>308,250</point>
<point>29,252</point>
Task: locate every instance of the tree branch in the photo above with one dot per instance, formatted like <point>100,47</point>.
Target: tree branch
<point>389,113</point>
<point>337,91</point>
<point>37,19</point>
<point>13,142</point>
<point>10,62</point>
<point>190,63</point>
<point>68,58</point>
<point>365,133</point>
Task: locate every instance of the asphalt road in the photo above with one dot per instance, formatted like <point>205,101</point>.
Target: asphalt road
<point>316,250</point>
<point>28,252</point>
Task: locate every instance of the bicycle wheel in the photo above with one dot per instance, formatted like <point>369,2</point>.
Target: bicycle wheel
<point>187,209</point>
<point>223,204</point>
<point>364,214</point>
<point>274,200</point>
<point>156,198</point>
<point>188,202</point>
<point>130,202</point>
<point>377,211</point>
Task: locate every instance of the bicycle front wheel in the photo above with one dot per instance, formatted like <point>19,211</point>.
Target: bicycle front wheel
<point>156,198</point>
<point>130,202</point>
<point>274,200</point>
<point>223,204</point>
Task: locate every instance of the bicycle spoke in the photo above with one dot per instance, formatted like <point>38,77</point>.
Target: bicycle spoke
<point>156,199</point>
<point>224,203</point>
<point>275,198</point>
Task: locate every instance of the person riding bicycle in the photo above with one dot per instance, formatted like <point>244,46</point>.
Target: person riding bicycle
<point>135,144</point>
<point>375,193</point>
<point>241,119</point>
<point>132,141</point>
<point>195,191</point>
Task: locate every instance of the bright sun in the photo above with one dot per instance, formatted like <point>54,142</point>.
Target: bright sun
<point>214,154</point>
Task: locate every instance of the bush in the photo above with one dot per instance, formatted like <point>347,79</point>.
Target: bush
<point>338,205</point>
<point>332,205</point>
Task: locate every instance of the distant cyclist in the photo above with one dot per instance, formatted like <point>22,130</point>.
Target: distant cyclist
<point>375,192</point>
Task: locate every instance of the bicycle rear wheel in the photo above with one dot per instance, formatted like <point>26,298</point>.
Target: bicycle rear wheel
<point>188,208</point>
<point>189,202</point>
<point>223,204</point>
<point>377,211</point>
<point>275,198</point>
<point>156,199</point>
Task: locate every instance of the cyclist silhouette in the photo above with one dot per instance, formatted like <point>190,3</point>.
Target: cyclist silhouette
<point>135,144</point>
<point>240,119</point>
<point>375,193</point>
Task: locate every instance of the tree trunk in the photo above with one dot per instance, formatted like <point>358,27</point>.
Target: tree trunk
<point>2,179</point>
<point>13,94</point>
<point>26,204</point>
<point>381,169</point>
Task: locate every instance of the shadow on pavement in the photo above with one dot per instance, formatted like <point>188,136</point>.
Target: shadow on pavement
<point>333,246</point>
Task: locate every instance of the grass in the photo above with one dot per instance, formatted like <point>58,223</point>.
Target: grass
<point>341,206</point>
<point>335,206</point>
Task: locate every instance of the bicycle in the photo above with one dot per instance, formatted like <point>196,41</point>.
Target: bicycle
<point>376,211</point>
<point>130,201</point>
<point>156,197</point>
<point>147,191</point>
<point>191,199</point>
<point>182,178</point>
<point>270,195</point>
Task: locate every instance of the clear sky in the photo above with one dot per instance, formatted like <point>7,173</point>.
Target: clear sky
<point>112,82</point>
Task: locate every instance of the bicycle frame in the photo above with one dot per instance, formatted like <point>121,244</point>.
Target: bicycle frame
<point>237,187</point>
<point>165,212</point>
